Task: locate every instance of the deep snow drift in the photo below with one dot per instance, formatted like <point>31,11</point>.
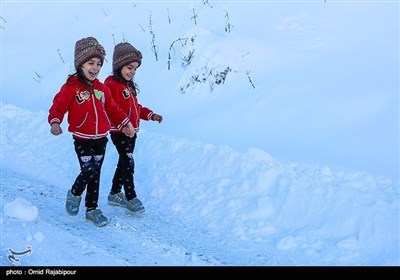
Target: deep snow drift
<point>206,205</point>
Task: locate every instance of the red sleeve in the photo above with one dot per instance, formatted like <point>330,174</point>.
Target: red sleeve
<point>145,113</point>
<point>60,105</point>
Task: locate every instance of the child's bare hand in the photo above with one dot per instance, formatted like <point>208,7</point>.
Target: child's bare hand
<point>128,130</point>
<point>157,118</point>
<point>56,129</point>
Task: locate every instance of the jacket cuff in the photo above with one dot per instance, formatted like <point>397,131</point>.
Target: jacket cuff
<point>54,120</point>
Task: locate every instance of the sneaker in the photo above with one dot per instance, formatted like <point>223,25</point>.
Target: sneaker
<point>135,206</point>
<point>72,204</point>
<point>117,199</point>
<point>97,217</point>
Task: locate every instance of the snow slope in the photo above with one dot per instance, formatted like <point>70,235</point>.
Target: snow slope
<point>206,206</point>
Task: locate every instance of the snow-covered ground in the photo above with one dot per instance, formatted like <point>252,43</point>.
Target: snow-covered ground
<point>206,206</point>
<point>279,145</point>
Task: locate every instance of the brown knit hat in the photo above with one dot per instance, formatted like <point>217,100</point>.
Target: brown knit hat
<point>86,49</point>
<point>125,53</point>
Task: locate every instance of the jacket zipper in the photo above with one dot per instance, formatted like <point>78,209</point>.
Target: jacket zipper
<point>95,113</point>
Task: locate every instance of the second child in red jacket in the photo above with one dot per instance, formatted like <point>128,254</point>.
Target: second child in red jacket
<point>126,60</point>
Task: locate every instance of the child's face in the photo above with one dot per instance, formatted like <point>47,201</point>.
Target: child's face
<point>91,68</point>
<point>129,70</point>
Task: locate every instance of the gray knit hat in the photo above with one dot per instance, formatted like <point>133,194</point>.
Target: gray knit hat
<point>86,49</point>
<point>125,53</point>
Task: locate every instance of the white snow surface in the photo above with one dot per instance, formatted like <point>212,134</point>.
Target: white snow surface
<point>279,145</point>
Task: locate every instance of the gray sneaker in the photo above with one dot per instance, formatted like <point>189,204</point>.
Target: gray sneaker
<point>97,217</point>
<point>72,203</point>
<point>117,199</point>
<point>135,206</point>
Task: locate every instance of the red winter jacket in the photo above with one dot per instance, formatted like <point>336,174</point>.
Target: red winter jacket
<point>90,112</point>
<point>128,102</point>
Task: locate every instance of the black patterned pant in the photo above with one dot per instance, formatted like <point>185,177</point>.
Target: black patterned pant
<point>91,156</point>
<point>123,176</point>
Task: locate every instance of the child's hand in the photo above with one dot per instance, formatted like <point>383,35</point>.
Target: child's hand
<point>56,129</point>
<point>157,118</point>
<point>128,130</point>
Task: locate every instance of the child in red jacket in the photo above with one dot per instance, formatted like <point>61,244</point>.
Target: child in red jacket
<point>89,105</point>
<point>126,60</point>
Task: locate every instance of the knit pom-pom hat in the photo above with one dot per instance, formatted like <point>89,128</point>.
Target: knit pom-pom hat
<point>125,53</point>
<point>86,49</point>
